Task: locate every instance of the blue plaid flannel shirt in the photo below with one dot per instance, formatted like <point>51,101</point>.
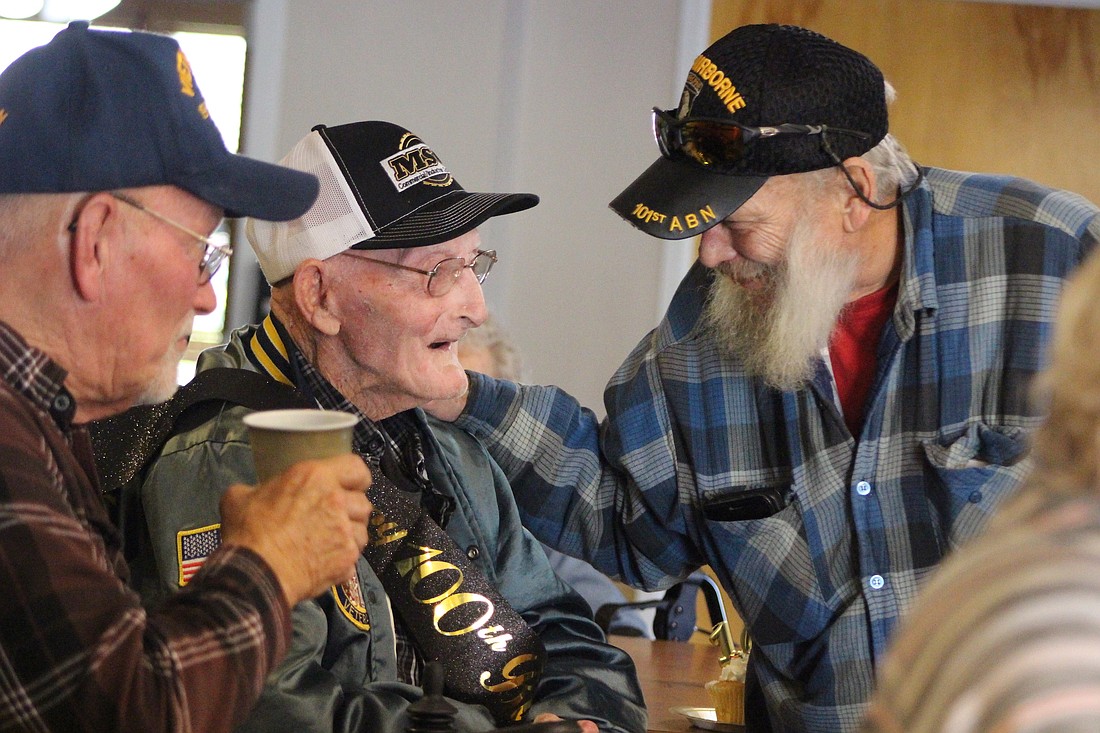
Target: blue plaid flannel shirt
<point>823,582</point>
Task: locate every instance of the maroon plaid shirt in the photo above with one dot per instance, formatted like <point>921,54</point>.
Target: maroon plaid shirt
<point>77,650</point>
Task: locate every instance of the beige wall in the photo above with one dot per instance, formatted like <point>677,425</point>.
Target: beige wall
<point>981,86</point>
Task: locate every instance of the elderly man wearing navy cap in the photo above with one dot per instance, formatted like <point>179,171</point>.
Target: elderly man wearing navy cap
<point>837,395</point>
<point>372,289</point>
<point>111,177</point>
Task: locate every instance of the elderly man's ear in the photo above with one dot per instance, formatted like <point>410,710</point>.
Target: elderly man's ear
<point>315,297</point>
<point>94,229</point>
<point>856,211</point>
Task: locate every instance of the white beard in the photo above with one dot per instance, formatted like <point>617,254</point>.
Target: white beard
<point>779,331</point>
<point>162,388</point>
<point>164,385</point>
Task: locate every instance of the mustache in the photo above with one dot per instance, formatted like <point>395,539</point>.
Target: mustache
<point>742,270</point>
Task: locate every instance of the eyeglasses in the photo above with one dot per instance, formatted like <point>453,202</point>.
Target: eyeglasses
<point>720,144</point>
<point>213,254</point>
<point>445,274</point>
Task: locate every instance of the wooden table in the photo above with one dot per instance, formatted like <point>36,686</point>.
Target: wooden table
<point>672,674</point>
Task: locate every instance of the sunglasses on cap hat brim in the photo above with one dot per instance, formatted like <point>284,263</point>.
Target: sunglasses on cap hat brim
<point>719,145</point>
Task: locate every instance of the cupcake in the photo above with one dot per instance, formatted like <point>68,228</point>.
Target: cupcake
<point>728,691</point>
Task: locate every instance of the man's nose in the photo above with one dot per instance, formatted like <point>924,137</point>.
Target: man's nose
<point>716,247</point>
<point>473,298</point>
<point>206,300</point>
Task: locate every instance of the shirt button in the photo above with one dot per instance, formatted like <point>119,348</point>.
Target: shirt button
<point>863,488</point>
<point>876,582</point>
<point>975,497</point>
<point>374,445</point>
<point>61,402</point>
<point>472,552</point>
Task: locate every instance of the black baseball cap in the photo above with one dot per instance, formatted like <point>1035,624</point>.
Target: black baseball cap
<point>759,75</point>
<point>99,110</point>
<point>382,187</point>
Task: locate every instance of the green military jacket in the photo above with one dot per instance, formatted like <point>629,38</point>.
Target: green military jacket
<point>341,672</point>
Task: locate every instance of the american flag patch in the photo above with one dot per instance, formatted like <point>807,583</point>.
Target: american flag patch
<point>193,546</point>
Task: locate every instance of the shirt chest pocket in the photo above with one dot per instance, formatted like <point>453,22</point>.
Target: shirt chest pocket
<point>756,536</point>
<point>971,474</point>
<point>746,504</point>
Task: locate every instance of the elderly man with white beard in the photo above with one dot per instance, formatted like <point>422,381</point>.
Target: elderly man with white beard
<point>837,396</point>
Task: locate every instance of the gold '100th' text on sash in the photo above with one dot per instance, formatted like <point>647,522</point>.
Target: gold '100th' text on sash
<point>420,564</point>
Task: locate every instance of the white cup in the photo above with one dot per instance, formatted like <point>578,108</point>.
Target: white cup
<point>281,438</point>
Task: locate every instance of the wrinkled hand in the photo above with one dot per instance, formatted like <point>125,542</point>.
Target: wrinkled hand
<point>587,726</point>
<point>309,523</point>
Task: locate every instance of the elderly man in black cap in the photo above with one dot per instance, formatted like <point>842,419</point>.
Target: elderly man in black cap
<point>112,175</point>
<point>372,289</point>
<point>837,396</point>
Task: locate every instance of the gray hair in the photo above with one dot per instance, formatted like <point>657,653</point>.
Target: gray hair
<point>26,216</point>
<point>893,167</point>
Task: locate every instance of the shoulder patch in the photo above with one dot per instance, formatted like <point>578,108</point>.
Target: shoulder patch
<point>349,599</point>
<point>193,546</point>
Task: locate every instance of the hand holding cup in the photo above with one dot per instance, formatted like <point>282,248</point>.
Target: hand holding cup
<point>308,520</point>
<point>281,438</point>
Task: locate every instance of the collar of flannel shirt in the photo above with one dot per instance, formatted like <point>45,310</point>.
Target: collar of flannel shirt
<point>36,376</point>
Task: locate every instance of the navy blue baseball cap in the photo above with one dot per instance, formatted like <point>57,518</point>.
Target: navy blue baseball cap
<point>99,110</point>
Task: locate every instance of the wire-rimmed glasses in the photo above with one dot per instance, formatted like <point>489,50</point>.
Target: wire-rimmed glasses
<point>213,253</point>
<point>446,272</point>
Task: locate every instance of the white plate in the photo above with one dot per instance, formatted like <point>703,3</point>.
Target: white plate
<point>705,718</point>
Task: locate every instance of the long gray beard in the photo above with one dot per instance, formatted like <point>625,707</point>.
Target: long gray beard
<point>779,332</point>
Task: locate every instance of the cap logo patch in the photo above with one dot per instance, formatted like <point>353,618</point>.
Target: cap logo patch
<point>692,86</point>
<point>416,163</point>
<point>679,223</point>
<point>187,79</point>
<point>187,82</point>
<point>709,72</point>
